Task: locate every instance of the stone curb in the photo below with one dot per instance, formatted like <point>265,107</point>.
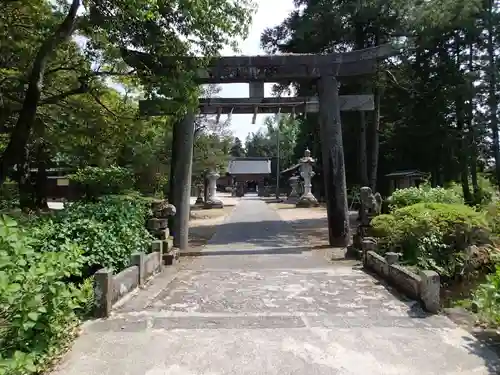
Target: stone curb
<point>425,286</point>
<point>110,288</point>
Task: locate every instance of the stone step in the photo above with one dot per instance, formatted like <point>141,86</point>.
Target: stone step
<point>147,320</point>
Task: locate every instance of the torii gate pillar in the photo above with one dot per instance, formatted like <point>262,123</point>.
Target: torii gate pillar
<point>333,161</point>
<point>180,178</point>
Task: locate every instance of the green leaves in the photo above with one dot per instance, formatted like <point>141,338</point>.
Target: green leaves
<point>432,235</point>
<point>107,231</point>
<point>101,181</point>
<point>37,302</point>
<point>424,194</point>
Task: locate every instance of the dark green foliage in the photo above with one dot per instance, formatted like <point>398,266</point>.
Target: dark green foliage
<point>108,231</point>
<point>9,195</point>
<point>97,181</point>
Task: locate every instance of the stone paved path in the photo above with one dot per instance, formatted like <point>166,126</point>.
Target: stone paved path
<point>260,302</point>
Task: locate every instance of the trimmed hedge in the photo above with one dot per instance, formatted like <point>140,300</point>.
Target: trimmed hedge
<point>432,235</point>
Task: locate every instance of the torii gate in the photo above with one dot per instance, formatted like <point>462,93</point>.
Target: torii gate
<point>256,70</point>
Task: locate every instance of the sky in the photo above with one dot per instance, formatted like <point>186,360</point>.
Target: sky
<point>270,13</point>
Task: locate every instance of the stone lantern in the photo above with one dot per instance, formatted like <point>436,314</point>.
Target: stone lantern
<point>199,198</point>
<point>213,201</point>
<point>294,195</point>
<point>306,171</point>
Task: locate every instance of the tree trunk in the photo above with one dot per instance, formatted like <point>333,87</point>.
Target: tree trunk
<point>21,132</point>
<point>492,98</point>
<point>471,132</point>
<point>363,153</point>
<point>463,151</point>
<point>25,187</point>
<point>375,140</point>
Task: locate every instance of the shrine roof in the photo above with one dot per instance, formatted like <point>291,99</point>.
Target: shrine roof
<point>249,166</point>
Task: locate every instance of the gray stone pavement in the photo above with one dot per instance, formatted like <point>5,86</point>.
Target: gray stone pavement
<point>260,302</point>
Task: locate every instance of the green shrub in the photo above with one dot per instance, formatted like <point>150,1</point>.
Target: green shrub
<point>9,195</point>
<point>432,235</point>
<point>108,231</point>
<point>98,181</point>
<point>486,299</point>
<point>493,216</point>
<point>38,307</point>
<point>423,194</point>
<point>486,194</point>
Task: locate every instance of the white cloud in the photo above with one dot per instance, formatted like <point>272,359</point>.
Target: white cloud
<point>270,13</point>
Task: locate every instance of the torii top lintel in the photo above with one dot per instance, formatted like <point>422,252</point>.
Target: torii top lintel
<point>267,68</point>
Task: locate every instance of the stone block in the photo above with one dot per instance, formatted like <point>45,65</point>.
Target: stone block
<point>352,252</point>
<point>168,244</point>
<point>103,290</point>
<point>162,209</point>
<point>307,201</point>
<point>152,264</point>
<point>213,203</point>
<point>377,263</point>
<point>392,258</point>
<point>367,244</point>
<point>137,260</point>
<point>155,224</point>
<point>405,280</point>
<point>158,205</point>
<point>124,282</point>
<point>430,288</point>
<point>171,257</point>
<point>157,247</point>
<point>161,234</point>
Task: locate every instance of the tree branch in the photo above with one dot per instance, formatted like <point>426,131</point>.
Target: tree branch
<point>82,89</point>
<point>20,135</point>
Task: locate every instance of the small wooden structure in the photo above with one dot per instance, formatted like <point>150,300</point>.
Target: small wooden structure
<point>249,172</point>
<point>405,179</point>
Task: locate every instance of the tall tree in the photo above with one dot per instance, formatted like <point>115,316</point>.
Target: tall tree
<point>237,149</point>
<point>158,27</point>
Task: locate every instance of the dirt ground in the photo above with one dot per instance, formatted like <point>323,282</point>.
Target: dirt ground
<point>311,223</point>
<point>203,223</point>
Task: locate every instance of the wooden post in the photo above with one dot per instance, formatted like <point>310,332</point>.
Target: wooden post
<point>181,179</point>
<point>332,150</point>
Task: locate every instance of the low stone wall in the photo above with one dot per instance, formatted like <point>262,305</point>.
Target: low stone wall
<point>109,288</point>
<point>424,287</point>
<point>124,282</point>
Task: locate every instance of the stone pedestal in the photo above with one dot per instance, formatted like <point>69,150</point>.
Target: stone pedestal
<point>213,201</point>
<point>306,171</point>
<point>240,189</point>
<point>199,198</point>
<point>293,198</point>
